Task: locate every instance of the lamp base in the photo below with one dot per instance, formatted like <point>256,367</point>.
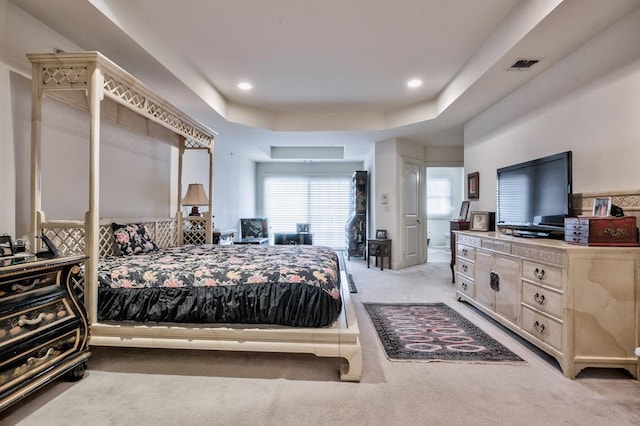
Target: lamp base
<point>195,211</point>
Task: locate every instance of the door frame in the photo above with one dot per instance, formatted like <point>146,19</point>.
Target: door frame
<point>422,242</point>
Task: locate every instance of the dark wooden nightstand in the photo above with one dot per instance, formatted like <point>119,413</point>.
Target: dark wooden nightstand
<point>44,329</point>
<point>380,249</point>
<point>455,225</point>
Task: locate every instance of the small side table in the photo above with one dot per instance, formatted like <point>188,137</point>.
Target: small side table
<point>380,249</point>
<point>256,241</point>
<point>223,237</point>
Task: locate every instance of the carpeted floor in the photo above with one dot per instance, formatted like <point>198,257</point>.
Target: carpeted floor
<point>125,386</point>
<point>433,332</point>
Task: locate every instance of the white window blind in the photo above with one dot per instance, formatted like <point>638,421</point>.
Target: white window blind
<point>439,197</point>
<point>323,202</point>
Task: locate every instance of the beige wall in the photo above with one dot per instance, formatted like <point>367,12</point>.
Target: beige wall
<point>138,175</point>
<point>588,103</point>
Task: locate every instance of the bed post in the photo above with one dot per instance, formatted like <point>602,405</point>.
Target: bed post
<point>36,170</point>
<point>209,219</point>
<point>179,218</point>
<point>92,223</point>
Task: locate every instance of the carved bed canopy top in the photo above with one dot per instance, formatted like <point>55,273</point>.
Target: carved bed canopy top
<point>93,83</point>
<point>67,76</point>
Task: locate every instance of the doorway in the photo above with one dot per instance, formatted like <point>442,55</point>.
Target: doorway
<point>444,195</point>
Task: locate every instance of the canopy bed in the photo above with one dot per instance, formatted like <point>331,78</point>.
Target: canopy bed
<point>90,81</point>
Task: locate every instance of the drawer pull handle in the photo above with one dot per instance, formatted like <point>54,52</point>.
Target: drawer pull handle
<point>539,273</point>
<point>615,232</point>
<point>35,360</point>
<point>465,251</point>
<point>539,327</point>
<point>464,286</point>
<point>464,268</point>
<point>19,287</point>
<point>23,321</point>
<point>539,298</point>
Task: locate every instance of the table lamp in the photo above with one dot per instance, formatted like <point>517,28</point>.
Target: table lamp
<point>195,197</point>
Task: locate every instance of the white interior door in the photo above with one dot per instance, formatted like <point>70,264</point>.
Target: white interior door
<point>411,212</point>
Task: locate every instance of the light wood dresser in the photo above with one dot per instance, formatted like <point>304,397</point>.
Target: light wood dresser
<point>579,304</point>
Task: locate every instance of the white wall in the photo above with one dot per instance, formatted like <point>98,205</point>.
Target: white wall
<point>234,187</point>
<point>138,174</point>
<point>589,103</point>
<point>134,169</point>
<point>14,65</point>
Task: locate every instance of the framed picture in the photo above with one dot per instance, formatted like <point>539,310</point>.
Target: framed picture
<point>602,206</point>
<point>256,227</point>
<point>473,185</point>
<point>479,221</point>
<point>464,211</point>
<point>302,228</point>
<point>6,246</point>
<point>381,234</point>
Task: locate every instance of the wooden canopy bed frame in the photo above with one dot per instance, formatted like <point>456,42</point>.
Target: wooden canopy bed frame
<point>88,80</point>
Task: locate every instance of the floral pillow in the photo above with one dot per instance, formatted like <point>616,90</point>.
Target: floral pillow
<point>133,238</point>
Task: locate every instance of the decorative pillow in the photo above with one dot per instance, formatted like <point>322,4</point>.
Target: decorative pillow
<point>133,238</point>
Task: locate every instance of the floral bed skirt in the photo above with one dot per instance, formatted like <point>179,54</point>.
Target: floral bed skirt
<point>282,285</point>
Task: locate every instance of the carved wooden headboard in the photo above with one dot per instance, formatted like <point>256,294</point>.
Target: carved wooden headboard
<point>69,237</point>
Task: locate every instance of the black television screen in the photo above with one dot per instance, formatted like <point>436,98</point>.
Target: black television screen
<point>535,196</point>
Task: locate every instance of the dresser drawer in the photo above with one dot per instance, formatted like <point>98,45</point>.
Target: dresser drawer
<point>542,299</point>
<point>542,274</point>
<point>465,267</point>
<point>27,286</point>
<point>466,252</point>
<point>542,328</point>
<point>32,320</point>
<point>36,359</point>
<point>466,286</point>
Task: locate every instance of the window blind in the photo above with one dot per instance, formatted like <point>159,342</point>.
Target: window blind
<point>439,196</point>
<point>323,202</point>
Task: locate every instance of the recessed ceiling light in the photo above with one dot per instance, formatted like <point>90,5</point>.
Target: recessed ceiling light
<point>245,85</point>
<point>414,83</point>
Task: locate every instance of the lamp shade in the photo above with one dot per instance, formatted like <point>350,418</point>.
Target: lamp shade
<point>195,195</point>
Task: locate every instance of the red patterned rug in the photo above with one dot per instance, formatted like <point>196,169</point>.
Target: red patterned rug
<point>433,332</point>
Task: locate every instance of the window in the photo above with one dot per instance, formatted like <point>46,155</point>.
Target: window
<point>439,197</point>
<point>323,202</point>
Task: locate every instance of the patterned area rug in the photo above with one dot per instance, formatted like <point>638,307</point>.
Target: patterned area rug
<point>433,332</point>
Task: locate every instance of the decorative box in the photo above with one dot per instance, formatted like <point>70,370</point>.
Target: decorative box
<point>601,231</point>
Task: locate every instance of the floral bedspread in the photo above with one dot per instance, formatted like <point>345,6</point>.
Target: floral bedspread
<point>215,266</point>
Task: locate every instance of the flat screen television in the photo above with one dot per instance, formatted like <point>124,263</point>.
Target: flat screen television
<point>534,197</point>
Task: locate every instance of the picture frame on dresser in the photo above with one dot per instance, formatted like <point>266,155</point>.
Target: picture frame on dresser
<point>601,206</point>
<point>481,221</point>
<point>464,211</point>
<point>381,234</point>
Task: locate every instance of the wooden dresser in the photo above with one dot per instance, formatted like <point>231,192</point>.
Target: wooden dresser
<point>44,330</point>
<point>578,304</point>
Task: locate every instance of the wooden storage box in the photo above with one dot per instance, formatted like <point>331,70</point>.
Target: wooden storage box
<point>601,231</point>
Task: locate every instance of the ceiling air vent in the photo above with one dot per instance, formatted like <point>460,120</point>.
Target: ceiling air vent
<point>523,64</point>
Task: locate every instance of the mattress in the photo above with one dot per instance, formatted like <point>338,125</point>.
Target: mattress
<point>297,286</point>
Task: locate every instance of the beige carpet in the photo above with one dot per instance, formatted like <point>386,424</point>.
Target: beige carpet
<point>173,387</point>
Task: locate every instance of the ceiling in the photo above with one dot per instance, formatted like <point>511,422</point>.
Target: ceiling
<point>331,72</point>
